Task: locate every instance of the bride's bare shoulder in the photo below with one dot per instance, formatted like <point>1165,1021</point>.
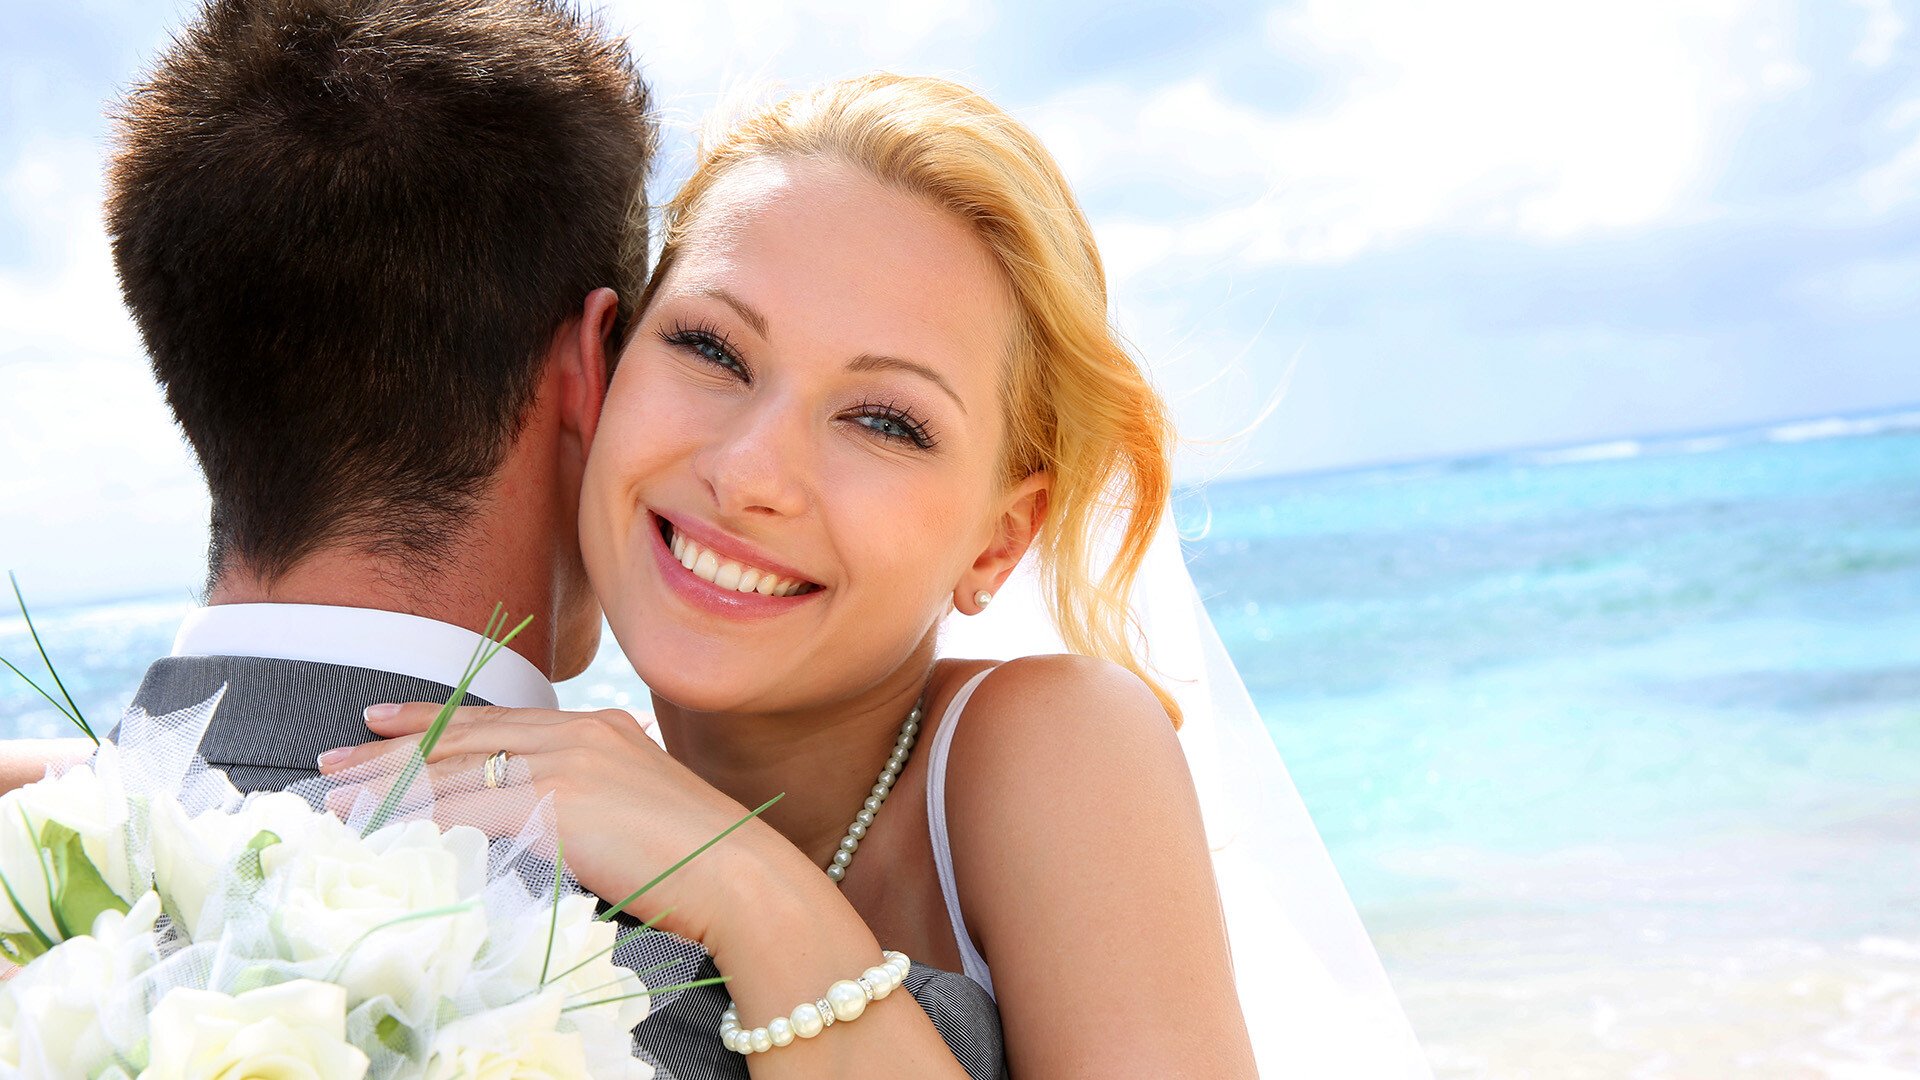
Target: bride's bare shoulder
<point>1083,869</point>
<point>1073,695</point>
<point>1073,728</point>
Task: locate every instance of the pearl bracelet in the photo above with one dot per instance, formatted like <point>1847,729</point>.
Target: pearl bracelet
<point>845,1001</point>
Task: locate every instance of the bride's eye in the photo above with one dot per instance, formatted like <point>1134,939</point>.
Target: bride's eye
<point>894,422</point>
<point>710,345</point>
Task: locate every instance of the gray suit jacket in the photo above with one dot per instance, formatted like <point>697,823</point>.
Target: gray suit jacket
<point>280,715</point>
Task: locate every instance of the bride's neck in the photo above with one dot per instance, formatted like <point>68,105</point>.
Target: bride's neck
<point>825,757</point>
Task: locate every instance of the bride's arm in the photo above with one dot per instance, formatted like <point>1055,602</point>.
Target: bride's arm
<point>1085,878</point>
<point>22,761</point>
<point>778,928</point>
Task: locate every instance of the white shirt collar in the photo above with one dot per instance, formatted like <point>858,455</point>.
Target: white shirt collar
<point>364,638</point>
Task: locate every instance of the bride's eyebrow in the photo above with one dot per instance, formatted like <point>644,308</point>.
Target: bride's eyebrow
<point>741,307</point>
<point>870,362</point>
<point>863,362</point>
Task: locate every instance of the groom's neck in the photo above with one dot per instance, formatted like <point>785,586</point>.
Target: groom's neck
<point>460,591</point>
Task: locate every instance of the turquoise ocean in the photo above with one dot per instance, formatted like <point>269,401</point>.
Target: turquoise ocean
<point>1617,747</point>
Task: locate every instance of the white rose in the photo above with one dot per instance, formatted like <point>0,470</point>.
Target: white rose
<point>90,800</point>
<point>521,1041</point>
<point>289,1031</point>
<point>608,1045</point>
<point>194,858</point>
<point>58,1010</point>
<point>378,907</point>
<point>580,966</point>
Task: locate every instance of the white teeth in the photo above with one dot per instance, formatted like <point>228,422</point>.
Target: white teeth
<point>735,576</point>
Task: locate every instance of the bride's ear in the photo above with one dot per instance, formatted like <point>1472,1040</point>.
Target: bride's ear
<point>1022,515</point>
<point>587,360</point>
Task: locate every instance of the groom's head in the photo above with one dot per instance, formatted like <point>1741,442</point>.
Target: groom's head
<point>351,233</point>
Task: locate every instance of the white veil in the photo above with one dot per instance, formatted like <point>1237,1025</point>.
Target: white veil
<point>1317,1001</point>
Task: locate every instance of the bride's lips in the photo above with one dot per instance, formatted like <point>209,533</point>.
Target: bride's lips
<point>719,555</point>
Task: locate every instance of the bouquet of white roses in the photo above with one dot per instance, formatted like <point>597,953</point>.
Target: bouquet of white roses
<point>163,927</point>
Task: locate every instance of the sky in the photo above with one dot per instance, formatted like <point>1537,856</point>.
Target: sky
<point>1341,232</point>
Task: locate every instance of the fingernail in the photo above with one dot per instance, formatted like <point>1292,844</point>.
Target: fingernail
<point>335,756</point>
<point>380,714</point>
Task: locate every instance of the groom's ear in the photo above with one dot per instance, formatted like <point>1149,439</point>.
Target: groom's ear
<point>587,363</point>
<point>1021,517</point>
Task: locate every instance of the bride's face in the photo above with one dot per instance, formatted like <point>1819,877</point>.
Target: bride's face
<point>809,413</point>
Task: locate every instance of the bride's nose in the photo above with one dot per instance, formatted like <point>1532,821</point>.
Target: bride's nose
<point>756,464</point>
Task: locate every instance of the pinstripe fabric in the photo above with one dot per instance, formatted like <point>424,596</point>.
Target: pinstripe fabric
<point>279,715</point>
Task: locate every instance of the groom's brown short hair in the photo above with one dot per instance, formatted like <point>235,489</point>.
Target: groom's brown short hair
<point>348,230</point>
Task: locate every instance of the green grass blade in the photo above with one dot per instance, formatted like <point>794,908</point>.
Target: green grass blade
<point>411,771</point>
<point>21,910</point>
<point>46,872</point>
<point>340,966</point>
<point>553,926</point>
<point>51,700</point>
<point>619,940</point>
<point>669,871</point>
<point>76,715</point>
<point>649,992</point>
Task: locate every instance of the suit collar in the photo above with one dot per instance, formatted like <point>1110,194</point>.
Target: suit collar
<point>405,645</point>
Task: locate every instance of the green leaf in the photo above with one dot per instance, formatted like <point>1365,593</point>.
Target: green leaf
<point>248,865</point>
<point>80,894</point>
<point>21,949</point>
<point>394,1035</point>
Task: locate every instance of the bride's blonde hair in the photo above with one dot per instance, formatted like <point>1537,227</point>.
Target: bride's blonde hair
<point>1077,405</point>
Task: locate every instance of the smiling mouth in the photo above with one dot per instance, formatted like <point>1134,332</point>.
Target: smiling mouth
<point>726,573</point>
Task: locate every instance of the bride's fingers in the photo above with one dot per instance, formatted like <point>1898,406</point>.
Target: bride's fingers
<point>458,789</point>
<point>414,718</point>
<point>477,736</point>
<point>368,760</point>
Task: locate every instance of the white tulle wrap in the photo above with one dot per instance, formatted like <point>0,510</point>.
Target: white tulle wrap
<point>1317,1001</point>
<point>277,935</point>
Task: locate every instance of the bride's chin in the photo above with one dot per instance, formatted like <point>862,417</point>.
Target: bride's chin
<point>705,700</point>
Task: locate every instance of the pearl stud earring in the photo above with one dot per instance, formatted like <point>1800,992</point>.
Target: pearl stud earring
<point>983,598</point>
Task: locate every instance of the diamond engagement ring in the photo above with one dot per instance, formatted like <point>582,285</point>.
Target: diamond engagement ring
<point>495,772</point>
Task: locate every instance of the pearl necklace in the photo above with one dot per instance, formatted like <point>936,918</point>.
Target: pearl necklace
<point>850,843</point>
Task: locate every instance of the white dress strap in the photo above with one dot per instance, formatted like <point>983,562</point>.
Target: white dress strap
<point>973,965</point>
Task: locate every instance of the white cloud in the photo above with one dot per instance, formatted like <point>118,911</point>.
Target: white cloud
<point>98,495</point>
<point>1543,120</point>
<point>1874,288</point>
<point>1882,33</point>
<point>1894,182</point>
<point>63,295</point>
<point>698,56</point>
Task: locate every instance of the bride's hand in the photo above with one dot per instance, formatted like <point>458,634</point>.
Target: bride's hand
<point>627,810</point>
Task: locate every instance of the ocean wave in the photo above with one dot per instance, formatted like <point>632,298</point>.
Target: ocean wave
<point>1602,451</point>
<point>1838,427</point>
<point>1793,431</point>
